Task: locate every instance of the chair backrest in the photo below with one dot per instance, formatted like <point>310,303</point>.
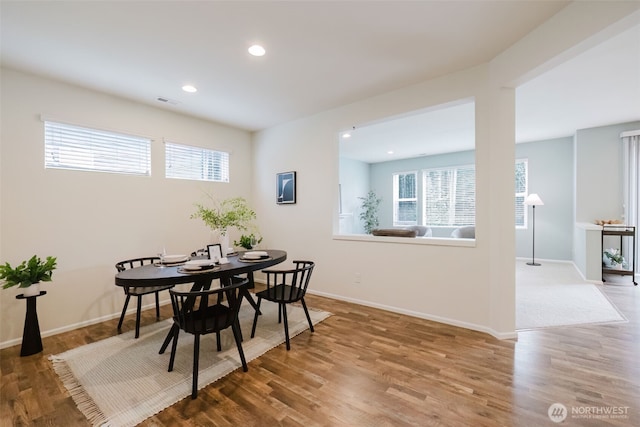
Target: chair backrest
<point>136,262</point>
<point>203,312</point>
<point>290,285</point>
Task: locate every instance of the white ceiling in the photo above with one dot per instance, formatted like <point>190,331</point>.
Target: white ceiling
<point>320,55</point>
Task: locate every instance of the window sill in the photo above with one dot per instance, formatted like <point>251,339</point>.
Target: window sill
<point>432,241</point>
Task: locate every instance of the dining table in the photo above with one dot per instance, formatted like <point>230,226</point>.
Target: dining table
<point>168,274</point>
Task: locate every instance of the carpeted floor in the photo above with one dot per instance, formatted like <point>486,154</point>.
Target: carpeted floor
<point>554,294</point>
<point>121,381</point>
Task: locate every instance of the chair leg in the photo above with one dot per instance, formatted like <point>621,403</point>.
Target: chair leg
<point>138,316</point>
<point>255,318</point>
<point>174,346</point>
<point>196,360</point>
<point>307,313</point>
<point>218,344</point>
<point>157,305</point>
<point>124,310</point>
<point>236,334</point>
<point>174,331</point>
<point>279,313</point>
<point>286,324</point>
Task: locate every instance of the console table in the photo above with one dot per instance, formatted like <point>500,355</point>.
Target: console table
<point>31,340</point>
<point>621,231</point>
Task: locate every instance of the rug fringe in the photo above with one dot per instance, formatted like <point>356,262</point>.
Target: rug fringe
<point>83,401</point>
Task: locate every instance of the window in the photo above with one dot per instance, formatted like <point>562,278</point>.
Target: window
<point>79,148</point>
<point>521,192</point>
<point>405,200</point>
<point>449,196</point>
<point>186,162</point>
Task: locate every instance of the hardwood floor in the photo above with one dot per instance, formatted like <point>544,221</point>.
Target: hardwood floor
<point>367,367</point>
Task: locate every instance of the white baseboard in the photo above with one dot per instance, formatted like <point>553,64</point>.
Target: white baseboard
<point>439,319</point>
<point>67,328</point>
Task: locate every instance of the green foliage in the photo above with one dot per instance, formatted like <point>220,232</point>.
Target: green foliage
<point>248,242</point>
<point>369,213</point>
<point>234,212</point>
<point>614,256</point>
<point>28,272</point>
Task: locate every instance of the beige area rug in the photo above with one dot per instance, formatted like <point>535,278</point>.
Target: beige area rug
<point>554,295</point>
<point>121,381</point>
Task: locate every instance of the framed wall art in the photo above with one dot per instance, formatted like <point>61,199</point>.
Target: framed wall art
<point>215,252</point>
<point>286,188</point>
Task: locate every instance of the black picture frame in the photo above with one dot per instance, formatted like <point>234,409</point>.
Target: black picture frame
<point>215,251</point>
<point>286,188</point>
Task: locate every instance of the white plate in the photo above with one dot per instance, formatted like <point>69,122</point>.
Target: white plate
<point>198,264</point>
<point>170,259</point>
<point>255,255</point>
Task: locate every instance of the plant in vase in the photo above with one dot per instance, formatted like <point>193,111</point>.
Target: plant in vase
<point>28,274</point>
<point>613,258</point>
<point>369,213</point>
<point>248,242</point>
<point>222,215</point>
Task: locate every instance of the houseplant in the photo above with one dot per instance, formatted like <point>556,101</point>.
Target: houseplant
<point>612,258</point>
<point>224,214</point>
<point>248,242</point>
<point>369,212</point>
<point>28,274</point>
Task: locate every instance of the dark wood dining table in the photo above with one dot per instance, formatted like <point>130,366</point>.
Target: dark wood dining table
<point>153,275</point>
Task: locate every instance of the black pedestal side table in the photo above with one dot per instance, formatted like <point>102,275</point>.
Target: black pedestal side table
<point>31,340</point>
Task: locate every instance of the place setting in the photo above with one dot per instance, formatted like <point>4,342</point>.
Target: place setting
<point>254,256</point>
<point>197,266</point>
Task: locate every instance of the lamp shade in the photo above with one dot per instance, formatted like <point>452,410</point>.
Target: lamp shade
<point>533,200</point>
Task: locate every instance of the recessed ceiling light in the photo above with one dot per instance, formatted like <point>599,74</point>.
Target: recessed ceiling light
<point>390,152</point>
<point>257,50</point>
<point>189,88</point>
<point>346,135</point>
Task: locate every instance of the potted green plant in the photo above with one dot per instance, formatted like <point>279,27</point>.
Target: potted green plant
<point>248,242</point>
<point>613,258</point>
<point>222,215</point>
<point>28,274</point>
<point>369,212</point>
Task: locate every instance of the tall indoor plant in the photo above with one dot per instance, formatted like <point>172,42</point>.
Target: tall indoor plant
<point>28,274</point>
<point>369,211</point>
<point>222,215</point>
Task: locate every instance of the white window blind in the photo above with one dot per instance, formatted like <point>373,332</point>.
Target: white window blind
<point>79,148</point>
<point>187,162</point>
<point>449,196</point>
<point>405,199</point>
<point>521,192</point>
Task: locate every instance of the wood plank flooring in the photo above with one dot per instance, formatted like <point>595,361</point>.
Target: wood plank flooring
<point>367,367</point>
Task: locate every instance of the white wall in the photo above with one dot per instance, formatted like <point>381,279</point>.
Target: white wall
<point>473,287</point>
<point>88,220</point>
<point>551,175</point>
<point>445,283</point>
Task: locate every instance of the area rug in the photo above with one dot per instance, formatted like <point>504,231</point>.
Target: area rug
<point>121,381</point>
<point>554,295</point>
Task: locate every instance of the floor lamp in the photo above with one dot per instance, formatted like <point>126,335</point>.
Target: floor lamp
<point>533,200</point>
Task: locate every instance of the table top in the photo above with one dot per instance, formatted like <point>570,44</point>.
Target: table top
<point>152,275</point>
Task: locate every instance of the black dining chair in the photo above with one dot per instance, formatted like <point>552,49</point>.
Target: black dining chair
<point>139,291</point>
<point>205,312</point>
<point>286,287</point>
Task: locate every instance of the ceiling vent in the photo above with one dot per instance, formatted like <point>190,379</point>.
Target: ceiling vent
<point>167,100</point>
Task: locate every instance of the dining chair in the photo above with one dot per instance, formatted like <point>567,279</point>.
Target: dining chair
<point>139,291</point>
<point>286,287</point>
<point>205,312</point>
